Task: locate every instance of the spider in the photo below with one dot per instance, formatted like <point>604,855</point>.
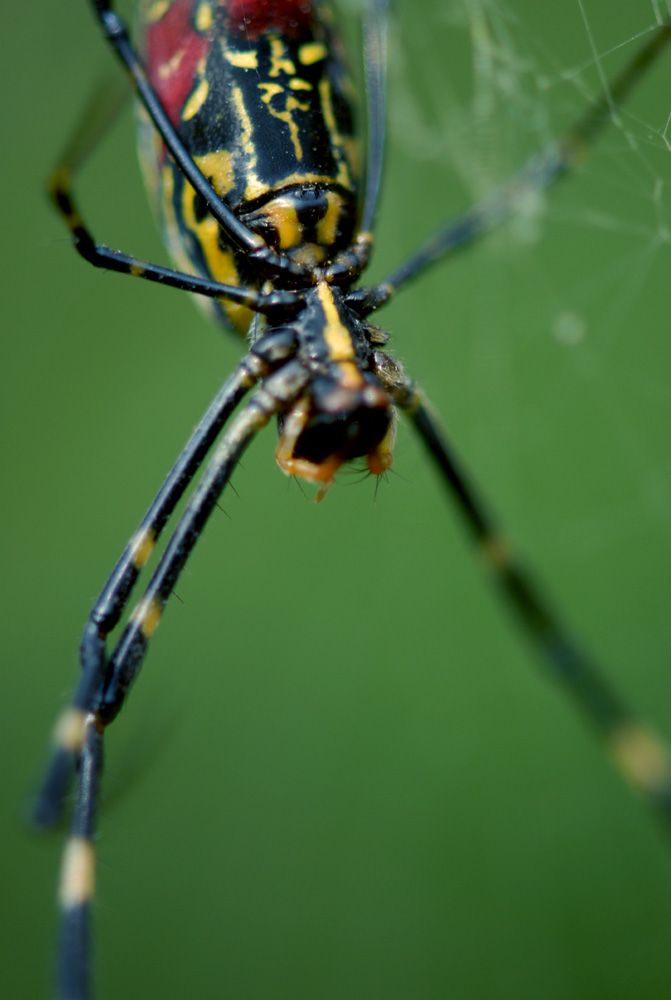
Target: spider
<point>248,144</point>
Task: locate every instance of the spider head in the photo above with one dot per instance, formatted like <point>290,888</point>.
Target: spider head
<point>343,415</point>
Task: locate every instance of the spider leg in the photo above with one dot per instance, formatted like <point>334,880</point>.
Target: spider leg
<point>276,394</point>
<point>265,260</point>
<point>266,355</point>
<point>349,264</point>
<point>375,66</point>
<point>641,757</point>
<point>77,882</point>
<point>98,115</point>
<point>541,171</point>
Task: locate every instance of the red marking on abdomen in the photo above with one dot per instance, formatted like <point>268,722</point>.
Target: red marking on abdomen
<point>173,49</point>
<point>292,18</point>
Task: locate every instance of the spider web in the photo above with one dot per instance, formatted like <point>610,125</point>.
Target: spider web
<point>477,87</point>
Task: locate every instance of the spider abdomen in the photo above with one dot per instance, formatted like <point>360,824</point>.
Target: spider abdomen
<point>259,96</point>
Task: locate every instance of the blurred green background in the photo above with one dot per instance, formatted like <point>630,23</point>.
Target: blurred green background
<point>341,774</point>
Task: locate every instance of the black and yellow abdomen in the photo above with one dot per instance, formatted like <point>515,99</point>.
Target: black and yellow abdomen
<point>260,98</point>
